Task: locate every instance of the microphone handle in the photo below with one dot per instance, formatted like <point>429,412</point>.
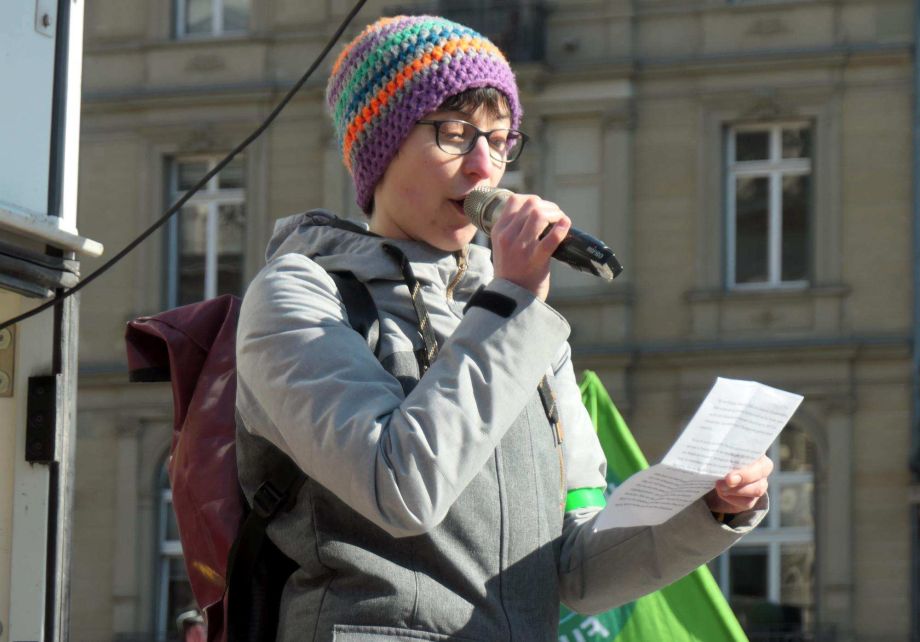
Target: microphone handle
<point>587,254</point>
<point>578,249</point>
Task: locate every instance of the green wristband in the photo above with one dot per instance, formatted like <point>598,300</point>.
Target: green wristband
<point>585,498</point>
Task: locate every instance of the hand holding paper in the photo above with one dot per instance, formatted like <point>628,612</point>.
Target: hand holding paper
<point>740,490</point>
<point>732,428</point>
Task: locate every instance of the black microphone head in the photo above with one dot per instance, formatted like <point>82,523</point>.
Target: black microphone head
<point>477,204</point>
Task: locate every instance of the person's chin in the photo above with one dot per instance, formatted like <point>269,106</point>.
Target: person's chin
<point>453,239</point>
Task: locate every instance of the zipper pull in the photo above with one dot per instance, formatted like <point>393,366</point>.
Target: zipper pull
<point>548,398</point>
<point>460,256</point>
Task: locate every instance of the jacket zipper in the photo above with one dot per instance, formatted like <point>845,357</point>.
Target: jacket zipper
<point>461,268</point>
<point>557,433</point>
<point>551,410</point>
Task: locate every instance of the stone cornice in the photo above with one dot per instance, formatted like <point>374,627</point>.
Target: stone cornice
<point>776,350</point>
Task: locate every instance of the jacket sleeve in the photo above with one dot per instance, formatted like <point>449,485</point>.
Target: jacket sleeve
<point>601,570</point>
<point>308,383</point>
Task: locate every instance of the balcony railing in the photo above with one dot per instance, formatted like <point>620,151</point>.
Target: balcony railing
<point>518,28</point>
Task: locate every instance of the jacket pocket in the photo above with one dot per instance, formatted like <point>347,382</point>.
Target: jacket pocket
<point>355,633</point>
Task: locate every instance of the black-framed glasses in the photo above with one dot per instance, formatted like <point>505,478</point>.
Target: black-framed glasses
<point>458,137</point>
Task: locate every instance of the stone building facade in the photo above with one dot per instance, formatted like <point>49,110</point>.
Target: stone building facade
<point>749,161</point>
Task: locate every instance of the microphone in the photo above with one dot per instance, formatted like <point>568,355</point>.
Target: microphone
<point>579,249</point>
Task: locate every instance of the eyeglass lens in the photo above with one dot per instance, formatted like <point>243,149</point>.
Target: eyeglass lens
<point>459,137</point>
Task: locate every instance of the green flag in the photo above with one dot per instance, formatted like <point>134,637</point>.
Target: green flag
<point>689,610</point>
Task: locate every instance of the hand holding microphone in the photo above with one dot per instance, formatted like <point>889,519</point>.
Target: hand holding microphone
<point>524,236</point>
<point>485,206</point>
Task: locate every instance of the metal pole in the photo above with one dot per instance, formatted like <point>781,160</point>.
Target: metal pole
<point>914,505</point>
<point>60,513</point>
<point>62,203</point>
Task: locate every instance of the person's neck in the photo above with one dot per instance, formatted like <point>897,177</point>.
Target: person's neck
<point>384,226</point>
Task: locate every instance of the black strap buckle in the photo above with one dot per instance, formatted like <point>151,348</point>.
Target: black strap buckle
<point>267,500</point>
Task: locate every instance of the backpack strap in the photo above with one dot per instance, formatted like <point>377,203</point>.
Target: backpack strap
<point>256,568</point>
<point>360,307</point>
<point>430,352</point>
<point>252,597</point>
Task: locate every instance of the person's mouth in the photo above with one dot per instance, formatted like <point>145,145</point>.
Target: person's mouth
<point>458,204</point>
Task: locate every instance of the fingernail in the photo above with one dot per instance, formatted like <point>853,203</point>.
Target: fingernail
<point>734,480</point>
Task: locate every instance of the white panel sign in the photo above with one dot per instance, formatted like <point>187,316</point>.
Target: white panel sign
<point>26,78</point>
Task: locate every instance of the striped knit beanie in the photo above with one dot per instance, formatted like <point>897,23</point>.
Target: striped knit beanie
<point>396,71</point>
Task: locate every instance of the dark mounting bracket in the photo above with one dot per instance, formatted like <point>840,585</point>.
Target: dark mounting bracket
<point>41,419</point>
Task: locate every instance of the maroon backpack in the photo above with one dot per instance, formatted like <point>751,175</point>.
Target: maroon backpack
<point>229,560</point>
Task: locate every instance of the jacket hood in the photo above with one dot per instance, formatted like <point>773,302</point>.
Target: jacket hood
<point>336,244</point>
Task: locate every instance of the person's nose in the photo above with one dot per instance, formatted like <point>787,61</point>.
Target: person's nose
<point>477,162</point>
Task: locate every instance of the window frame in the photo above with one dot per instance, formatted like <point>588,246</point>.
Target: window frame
<point>775,168</point>
<point>217,22</point>
<point>772,535</point>
<point>167,550</point>
<point>212,196</point>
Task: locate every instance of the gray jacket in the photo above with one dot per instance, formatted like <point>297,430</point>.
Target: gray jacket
<point>433,508</point>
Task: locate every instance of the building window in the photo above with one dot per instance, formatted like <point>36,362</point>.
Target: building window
<point>205,239</point>
<point>517,27</point>
<point>174,593</point>
<point>769,576</point>
<point>769,205</point>
<point>208,18</point>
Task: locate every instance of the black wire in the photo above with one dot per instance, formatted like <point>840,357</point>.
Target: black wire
<point>191,192</point>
